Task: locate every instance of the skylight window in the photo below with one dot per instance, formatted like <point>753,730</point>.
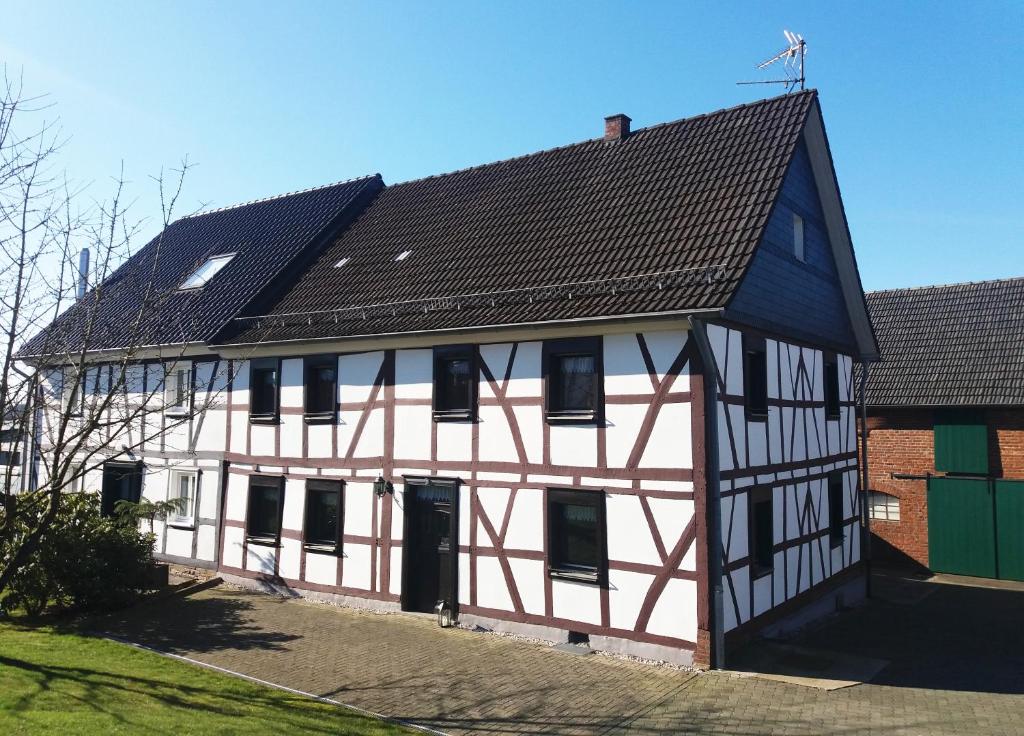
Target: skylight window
<point>403,255</point>
<point>207,271</point>
<point>342,262</point>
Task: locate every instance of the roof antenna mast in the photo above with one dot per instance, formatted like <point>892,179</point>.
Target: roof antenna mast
<point>792,59</point>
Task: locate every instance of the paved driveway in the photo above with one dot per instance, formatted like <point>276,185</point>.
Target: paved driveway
<point>957,667</point>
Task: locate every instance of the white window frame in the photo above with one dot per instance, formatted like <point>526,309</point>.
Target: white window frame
<point>798,238</point>
<point>77,477</point>
<point>178,401</point>
<point>883,506</point>
<point>187,516</point>
<point>72,395</point>
<point>206,271</point>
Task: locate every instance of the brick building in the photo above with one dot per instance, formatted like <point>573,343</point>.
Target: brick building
<point>946,424</point>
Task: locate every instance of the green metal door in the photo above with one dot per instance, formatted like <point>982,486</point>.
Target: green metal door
<point>1010,528</point>
<point>961,527</point>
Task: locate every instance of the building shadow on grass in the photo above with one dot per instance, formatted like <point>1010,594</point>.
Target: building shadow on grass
<point>194,624</point>
<point>118,695</point>
<point>936,636</point>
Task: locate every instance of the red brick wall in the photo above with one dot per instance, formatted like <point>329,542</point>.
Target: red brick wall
<point>902,441</point>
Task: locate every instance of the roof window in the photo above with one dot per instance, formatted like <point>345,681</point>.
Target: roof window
<point>342,262</point>
<point>207,271</point>
<point>403,255</point>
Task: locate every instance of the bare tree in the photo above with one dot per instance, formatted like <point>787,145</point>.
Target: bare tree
<point>75,390</point>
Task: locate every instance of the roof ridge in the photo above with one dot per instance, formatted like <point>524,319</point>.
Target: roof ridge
<point>982,282</point>
<point>273,197</point>
<point>655,126</point>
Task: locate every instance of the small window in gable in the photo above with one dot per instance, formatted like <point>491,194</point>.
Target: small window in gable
<point>761,531</point>
<point>264,389</point>
<point>836,521</point>
<point>202,275</point>
<point>455,383</point>
<point>72,396</point>
<point>883,506</point>
<point>178,390</point>
<point>574,380</point>
<point>755,377</point>
<point>831,387</point>
<point>798,237</point>
<point>321,388</point>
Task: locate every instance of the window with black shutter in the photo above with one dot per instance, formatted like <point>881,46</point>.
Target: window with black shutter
<point>577,535</point>
<point>321,388</point>
<point>574,380</point>
<point>266,503</point>
<point>835,509</point>
<point>762,543</point>
<point>264,386</point>
<point>455,383</point>
<point>755,377</point>
<point>831,387</point>
<point>324,511</point>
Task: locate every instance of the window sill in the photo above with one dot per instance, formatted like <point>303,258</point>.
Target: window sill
<point>264,541</point>
<point>836,543</point>
<point>187,524</point>
<point>591,578</point>
<point>263,419</point>
<point>831,417</point>
<point>756,572</point>
<point>572,417</point>
<point>454,416</point>
<point>757,416</point>
<point>319,417</point>
<point>323,549</point>
<point>177,413</point>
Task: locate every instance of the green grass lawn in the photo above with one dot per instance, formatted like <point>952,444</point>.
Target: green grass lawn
<point>53,682</point>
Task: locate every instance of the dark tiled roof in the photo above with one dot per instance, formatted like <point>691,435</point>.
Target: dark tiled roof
<point>956,345</point>
<point>689,195</point>
<point>267,236</point>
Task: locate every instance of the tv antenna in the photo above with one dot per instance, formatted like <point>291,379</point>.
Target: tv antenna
<point>792,59</point>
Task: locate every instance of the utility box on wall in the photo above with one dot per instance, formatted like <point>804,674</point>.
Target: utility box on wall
<point>961,442</point>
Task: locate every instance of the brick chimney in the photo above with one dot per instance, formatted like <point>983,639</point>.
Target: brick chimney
<point>616,127</point>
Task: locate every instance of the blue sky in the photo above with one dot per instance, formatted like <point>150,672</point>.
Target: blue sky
<point>923,102</point>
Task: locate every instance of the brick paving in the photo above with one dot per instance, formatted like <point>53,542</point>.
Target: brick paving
<point>462,682</point>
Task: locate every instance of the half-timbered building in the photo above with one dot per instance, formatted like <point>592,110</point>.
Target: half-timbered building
<point>598,393</point>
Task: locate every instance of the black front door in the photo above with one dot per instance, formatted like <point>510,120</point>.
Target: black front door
<point>431,550</point>
<point>121,482</point>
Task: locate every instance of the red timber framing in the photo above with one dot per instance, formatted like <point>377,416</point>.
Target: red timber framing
<point>491,489</point>
<point>792,453</point>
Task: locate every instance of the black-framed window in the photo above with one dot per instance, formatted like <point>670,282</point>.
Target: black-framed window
<point>831,386</point>
<point>455,382</point>
<point>835,509</point>
<point>121,482</point>
<point>325,513</point>
<point>320,387</point>
<point>264,389</point>
<point>762,525</point>
<point>574,388</point>
<point>577,535</point>
<point>755,377</point>
<point>72,395</point>
<point>266,504</point>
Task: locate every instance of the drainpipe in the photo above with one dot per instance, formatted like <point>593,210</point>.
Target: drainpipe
<point>713,489</point>
<point>865,519</point>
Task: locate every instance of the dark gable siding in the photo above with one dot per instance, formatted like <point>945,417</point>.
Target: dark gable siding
<point>781,294</point>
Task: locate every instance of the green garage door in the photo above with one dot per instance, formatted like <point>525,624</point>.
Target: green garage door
<point>976,527</point>
<point>1010,529</point>
<point>961,527</point>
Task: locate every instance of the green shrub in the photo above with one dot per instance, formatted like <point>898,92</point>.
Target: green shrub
<point>85,562</point>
